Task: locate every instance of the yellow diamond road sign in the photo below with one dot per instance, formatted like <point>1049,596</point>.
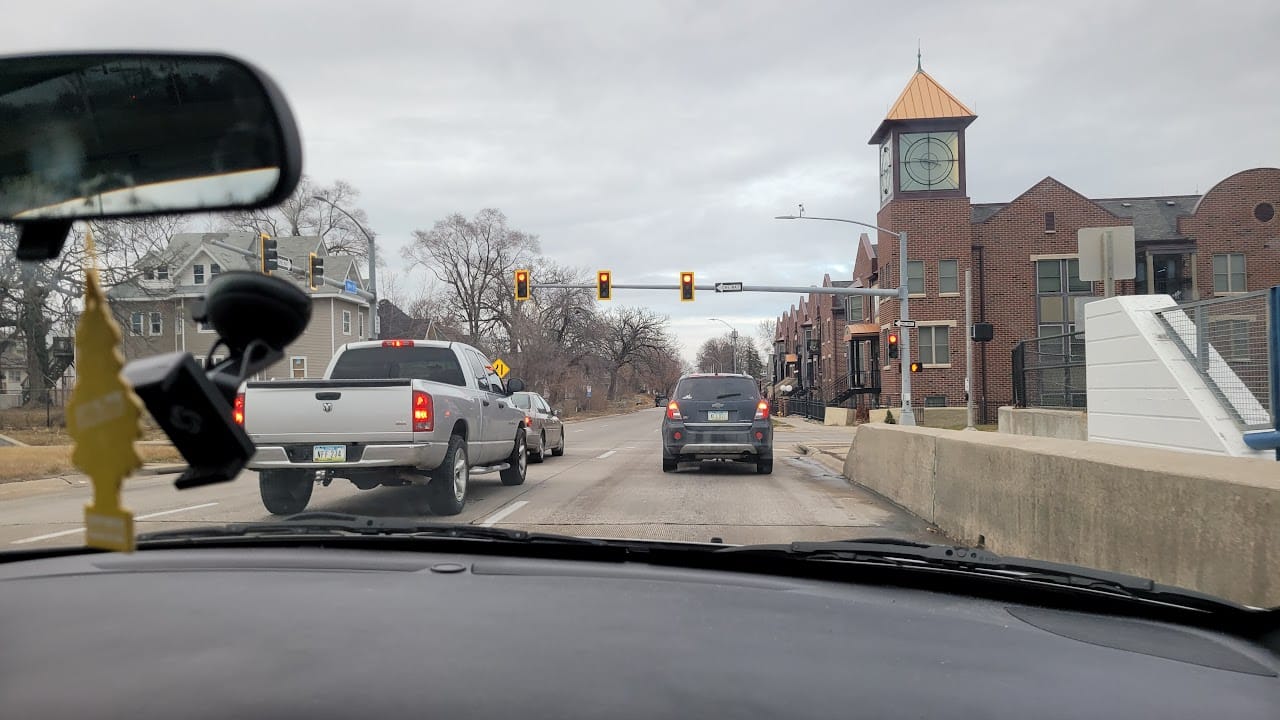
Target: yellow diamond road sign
<point>501,368</point>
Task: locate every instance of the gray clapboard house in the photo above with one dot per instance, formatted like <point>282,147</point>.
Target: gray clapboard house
<point>154,309</point>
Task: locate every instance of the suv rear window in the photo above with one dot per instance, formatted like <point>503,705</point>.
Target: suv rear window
<point>716,388</point>
<point>386,363</point>
<point>521,401</point>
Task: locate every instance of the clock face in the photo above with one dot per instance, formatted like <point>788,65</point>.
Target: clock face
<point>929,161</point>
<point>886,172</point>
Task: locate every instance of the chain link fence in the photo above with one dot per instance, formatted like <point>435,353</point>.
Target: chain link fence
<point>1225,339</point>
<point>1049,372</point>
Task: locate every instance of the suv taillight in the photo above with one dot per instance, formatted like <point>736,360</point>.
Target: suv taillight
<point>762,410</point>
<point>424,416</point>
<point>528,421</point>
<point>673,411</point>
<point>238,410</point>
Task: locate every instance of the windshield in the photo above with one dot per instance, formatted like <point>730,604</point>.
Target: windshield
<point>420,363</point>
<point>749,280</point>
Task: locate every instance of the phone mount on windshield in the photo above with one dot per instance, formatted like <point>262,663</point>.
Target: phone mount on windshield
<point>255,316</point>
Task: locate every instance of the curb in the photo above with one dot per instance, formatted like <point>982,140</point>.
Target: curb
<point>601,417</point>
<point>160,469</point>
<point>12,442</point>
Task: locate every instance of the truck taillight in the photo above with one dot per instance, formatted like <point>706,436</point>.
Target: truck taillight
<point>673,412</point>
<point>238,410</point>
<point>397,343</point>
<point>762,410</point>
<point>424,416</point>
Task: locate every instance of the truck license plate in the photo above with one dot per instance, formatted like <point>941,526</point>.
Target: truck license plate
<point>718,415</point>
<point>329,453</point>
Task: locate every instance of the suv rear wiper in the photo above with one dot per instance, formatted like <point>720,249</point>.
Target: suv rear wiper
<point>343,525</point>
<point>910,554</point>
<point>728,395</point>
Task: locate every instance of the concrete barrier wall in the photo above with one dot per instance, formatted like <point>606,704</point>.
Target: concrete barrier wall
<point>1039,422</point>
<point>1197,521</point>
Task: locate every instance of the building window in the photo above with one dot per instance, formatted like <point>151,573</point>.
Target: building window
<point>204,327</point>
<point>214,270</point>
<point>162,272</point>
<point>197,274</point>
<point>1057,281</point>
<point>935,344</point>
<point>935,401</point>
<point>948,277</point>
<point>298,368</point>
<point>1263,212</point>
<point>136,322</point>
<point>915,277</point>
<point>157,323</point>
<point>1050,223</point>
<point>1074,283</point>
<point>1228,273</point>
<point>346,322</point>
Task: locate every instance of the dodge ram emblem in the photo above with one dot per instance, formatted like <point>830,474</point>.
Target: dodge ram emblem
<point>328,407</point>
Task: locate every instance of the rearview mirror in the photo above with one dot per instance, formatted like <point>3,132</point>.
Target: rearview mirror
<point>112,135</point>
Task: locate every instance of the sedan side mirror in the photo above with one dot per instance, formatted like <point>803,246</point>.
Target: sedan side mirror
<point>515,385</point>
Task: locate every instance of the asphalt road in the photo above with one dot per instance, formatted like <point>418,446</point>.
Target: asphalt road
<point>609,483</point>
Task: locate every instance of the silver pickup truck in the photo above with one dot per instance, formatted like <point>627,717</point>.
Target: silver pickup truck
<point>390,412</point>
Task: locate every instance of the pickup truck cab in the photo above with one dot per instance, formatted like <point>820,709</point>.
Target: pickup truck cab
<point>418,413</point>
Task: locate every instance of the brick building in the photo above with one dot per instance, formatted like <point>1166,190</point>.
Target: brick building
<point>1022,254</point>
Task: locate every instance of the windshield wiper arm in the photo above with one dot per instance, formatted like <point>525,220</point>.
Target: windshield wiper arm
<point>911,554</point>
<point>340,524</point>
<point>728,395</point>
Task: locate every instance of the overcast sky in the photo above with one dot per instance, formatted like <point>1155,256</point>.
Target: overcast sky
<point>655,137</point>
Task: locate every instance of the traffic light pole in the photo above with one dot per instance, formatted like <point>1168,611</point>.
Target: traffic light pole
<point>327,280</point>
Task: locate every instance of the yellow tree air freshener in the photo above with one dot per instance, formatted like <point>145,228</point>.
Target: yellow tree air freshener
<point>103,416</point>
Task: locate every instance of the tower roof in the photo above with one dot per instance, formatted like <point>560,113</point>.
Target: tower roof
<point>922,99</point>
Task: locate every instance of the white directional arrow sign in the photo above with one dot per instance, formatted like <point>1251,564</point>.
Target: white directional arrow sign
<point>729,287</point>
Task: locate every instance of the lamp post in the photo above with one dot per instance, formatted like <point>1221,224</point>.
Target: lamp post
<point>733,335</point>
<point>373,269</point>
<point>908,416</point>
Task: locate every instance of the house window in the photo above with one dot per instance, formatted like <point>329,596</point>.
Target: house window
<point>915,277</point>
<point>1050,223</point>
<point>214,270</point>
<point>162,272</point>
<point>948,277</point>
<point>346,322</point>
<point>197,274</point>
<point>136,322</point>
<point>935,344</point>
<point>298,368</point>
<point>157,323</point>
<point>1228,273</point>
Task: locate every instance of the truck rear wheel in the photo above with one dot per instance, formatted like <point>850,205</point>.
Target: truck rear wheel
<point>285,492</point>
<point>447,491</point>
<point>518,462</point>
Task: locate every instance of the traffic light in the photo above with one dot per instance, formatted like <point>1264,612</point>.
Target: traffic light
<point>315,271</point>
<point>686,287</point>
<point>604,285</point>
<point>522,285</point>
<point>893,345</point>
<point>915,367</point>
<point>268,255</point>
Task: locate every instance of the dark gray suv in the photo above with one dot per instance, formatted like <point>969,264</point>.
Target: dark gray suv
<point>717,417</point>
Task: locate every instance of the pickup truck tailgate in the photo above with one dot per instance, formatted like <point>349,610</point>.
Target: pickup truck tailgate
<point>358,411</point>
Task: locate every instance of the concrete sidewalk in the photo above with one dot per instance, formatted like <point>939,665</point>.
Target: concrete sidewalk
<point>828,444</point>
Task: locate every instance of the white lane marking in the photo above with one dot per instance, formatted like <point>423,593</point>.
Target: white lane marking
<point>601,457</point>
<point>497,517</point>
<point>148,516</point>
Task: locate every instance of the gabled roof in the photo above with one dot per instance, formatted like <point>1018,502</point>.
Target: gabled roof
<point>1048,180</point>
<point>922,99</point>
<point>1154,218</point>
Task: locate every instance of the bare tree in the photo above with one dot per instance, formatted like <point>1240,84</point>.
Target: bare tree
<point>475,259</point>
<point>717,355</point>
<point>766,331</point>
<point>301,214</point>
<point>630,335</point>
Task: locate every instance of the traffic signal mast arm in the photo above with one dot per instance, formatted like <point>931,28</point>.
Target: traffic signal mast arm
<point>874,292</point>
<point>294,271</point>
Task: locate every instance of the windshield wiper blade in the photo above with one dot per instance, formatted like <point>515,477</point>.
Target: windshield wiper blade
<point>340,524</point>
<point>728,395</point>
<point>979,561</point>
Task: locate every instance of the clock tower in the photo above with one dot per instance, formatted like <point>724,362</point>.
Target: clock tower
<point>922,143</point>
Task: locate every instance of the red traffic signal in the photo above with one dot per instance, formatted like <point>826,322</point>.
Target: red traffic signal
<point>522,285</point>
<point>604,285</point>
<point>686,287</point>
<point>893,344</point>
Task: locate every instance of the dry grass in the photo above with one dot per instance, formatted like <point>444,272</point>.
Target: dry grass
<point>30,463</point>
<point>58,436</point>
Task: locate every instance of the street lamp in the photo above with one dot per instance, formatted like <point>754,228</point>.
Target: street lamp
<point>373,270</point>
<point>908,416</point>
<point>733,334</point>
